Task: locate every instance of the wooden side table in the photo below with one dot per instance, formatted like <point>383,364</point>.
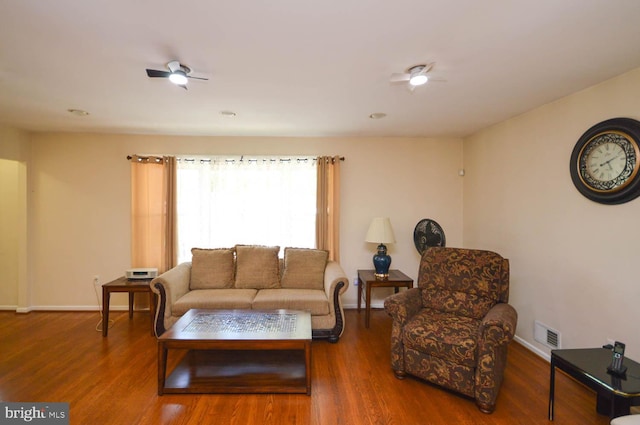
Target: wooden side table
<point>396,280</point>
<point>131,286</point>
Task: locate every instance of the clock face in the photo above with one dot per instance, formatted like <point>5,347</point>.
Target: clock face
<point>608,161</point>
<point>605,162</point>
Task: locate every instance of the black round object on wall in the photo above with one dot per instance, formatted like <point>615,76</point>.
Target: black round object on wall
<point>428,233</point>
<point>605,162</point>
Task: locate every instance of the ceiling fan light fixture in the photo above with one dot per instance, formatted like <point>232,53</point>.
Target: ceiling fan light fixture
<point>178,77</point>
<point>418,79</point>
<point>78,112</point>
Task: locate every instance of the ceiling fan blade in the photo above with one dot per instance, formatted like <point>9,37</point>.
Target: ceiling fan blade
<point>156,73</point>
<point>197,78</point>
<point>397,77</point>
<point>426,68</point>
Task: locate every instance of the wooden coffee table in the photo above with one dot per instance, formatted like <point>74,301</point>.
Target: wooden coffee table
<point>238,351</point>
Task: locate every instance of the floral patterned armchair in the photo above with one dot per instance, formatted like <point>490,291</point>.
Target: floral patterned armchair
<point>454,328</point>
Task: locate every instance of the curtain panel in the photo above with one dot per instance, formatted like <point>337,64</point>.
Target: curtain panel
<point>328,206</point>
<point>153,212</point>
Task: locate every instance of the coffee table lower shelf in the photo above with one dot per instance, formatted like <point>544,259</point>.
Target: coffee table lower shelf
<point>237,351</point>
<point>239,372</point>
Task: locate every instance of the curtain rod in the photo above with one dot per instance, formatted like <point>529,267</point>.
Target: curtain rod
<point>141,158</point>
<point>158,159</point>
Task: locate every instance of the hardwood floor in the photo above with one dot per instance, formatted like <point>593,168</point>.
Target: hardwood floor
<point>59,357</point>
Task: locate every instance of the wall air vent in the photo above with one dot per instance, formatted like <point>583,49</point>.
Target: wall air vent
<point>547,336</point>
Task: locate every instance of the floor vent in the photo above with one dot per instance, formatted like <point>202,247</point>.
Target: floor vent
<point>547,336</point>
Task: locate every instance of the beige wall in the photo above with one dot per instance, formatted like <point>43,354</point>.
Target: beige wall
<point>574,263</point>
<point>14,156</point>
<point>79,200</point>
<point>14,144</point>
<point>9,234</point>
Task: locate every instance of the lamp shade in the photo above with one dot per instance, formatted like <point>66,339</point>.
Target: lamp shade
<point>380,231</point>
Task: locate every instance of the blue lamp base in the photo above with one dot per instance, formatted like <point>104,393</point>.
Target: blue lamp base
<point>382,262</point>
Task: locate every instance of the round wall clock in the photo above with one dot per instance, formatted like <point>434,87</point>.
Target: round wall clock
<point>605,161</point>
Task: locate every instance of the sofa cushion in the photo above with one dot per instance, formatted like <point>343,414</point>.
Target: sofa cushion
<point>443,335</point>
<point>219,299</point>
<point>313,300</point>
<point>212,268</point>
<point>257,267</point>
<point>304,268</point>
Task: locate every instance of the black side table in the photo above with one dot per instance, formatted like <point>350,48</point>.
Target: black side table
<point>615,394</point>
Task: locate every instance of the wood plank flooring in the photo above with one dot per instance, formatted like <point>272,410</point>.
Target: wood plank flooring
<point>59,357</point>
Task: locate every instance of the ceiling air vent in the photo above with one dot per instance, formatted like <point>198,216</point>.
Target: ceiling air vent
<point>545,335</point>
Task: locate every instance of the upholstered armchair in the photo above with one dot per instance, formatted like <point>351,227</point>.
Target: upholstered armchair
<point>454,328</point>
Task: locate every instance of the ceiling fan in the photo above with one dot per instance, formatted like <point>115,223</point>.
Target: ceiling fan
<point>178,74</point>
<point>428,233</point>
<point>415,76</point>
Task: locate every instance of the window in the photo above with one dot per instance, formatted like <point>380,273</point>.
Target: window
<point>263,200</point>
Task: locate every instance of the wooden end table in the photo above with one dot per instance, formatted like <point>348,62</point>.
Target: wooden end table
<point>131,286</point>
<point>396,280</point>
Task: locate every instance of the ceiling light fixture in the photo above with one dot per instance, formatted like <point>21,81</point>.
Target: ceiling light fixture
<point>178,77</point>
<point>417,77</point>
<point>78,112</point>
<point>377,115</point>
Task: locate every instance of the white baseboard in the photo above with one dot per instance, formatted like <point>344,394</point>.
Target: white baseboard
<point>65,308</point>
<point>69,308</point>
<point>533,349</point>
<point>8,307</point>
<point>354,306</point>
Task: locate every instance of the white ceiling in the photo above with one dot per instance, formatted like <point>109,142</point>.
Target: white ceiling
<point>303,67</point>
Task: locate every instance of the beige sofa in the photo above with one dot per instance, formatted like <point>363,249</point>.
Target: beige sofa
<point>253,277</point>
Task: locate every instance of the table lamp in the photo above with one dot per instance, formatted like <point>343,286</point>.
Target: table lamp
<point>381,232</point>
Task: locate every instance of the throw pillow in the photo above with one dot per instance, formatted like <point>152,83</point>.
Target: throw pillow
<point>304,268</point>
<point>212,268</point>
<point>257,267</point>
